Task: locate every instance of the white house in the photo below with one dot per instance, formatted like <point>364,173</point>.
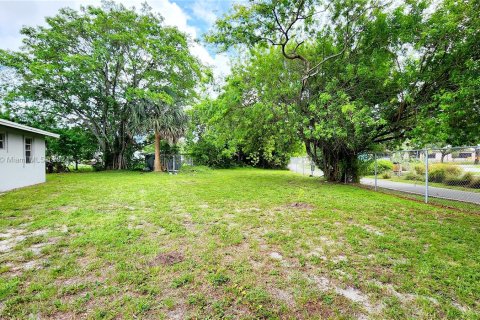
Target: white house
<point>22,155</point>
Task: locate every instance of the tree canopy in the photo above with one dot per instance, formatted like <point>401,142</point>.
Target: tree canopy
<point>239,128</point>
<point>92,66</point>
<point>352,75</point>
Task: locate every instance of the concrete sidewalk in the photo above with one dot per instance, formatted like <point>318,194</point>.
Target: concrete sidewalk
<point>435,192</point>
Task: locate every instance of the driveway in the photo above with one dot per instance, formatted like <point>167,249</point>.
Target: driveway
<point>435,192</point>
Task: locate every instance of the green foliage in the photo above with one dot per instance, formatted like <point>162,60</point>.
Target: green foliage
<point>414,176</point>
<point>468,177</point>
<point>219,278</point>
<point>475,183</point>
<point>383,165</point>
<point>74,145</point>
<point>347,82</point>
<point>454,180</point>
<point>419,168</point>
<point>451,116</point>
<point>229,131</point>
<point>165,147</point>
<point>97,66</point>
<point>438,172</point>
<point>186,169</point>
<point>182,280</point>
<point>387,175</point>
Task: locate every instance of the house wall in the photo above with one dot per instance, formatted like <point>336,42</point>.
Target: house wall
<point>14,172</point>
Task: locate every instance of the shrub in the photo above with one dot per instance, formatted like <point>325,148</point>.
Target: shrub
<point>420,169</point>
<point>438,172</point>
<point>455,181</point>
<point>468,177</point>
<point>186,169</point>
<point>464,180</point>
<point>387,175</point>
<point>414,176</point>
<point>383,166</point>
<point>475,183</point>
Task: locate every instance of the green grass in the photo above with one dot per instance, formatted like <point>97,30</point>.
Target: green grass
<point>238,243</point>
<point>81,168</point>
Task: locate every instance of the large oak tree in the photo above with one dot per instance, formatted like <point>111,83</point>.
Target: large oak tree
<point>363,71</point>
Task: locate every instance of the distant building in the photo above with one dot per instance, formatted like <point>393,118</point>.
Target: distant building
<point>22,155</point>
<point>464,155</point>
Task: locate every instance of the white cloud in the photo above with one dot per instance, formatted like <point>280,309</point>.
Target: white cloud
<point>204,13</point>
<point>15,14</point>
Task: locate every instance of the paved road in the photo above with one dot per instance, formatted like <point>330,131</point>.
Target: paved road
<point>470,168</point>
<point>302,165</point>
<point>435,192</point>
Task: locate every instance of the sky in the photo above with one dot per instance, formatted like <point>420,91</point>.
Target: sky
<point>191,16</point>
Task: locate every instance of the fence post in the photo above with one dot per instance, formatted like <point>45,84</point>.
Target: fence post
<point>303,166</point>
<point>376,170</point>
<point>426,175</point>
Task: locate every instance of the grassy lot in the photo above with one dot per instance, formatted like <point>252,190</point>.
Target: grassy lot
<point>239,243</point>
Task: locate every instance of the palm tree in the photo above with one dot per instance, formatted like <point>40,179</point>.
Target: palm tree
<point>167,120</point>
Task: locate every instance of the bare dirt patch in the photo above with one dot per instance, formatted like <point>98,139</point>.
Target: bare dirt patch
<point>10,238</point>
<point>276,256</point>
<point>352,294</point>
<point>371,229</point>
<point>317,308</point>
<point>168,259</point>
<point>67,209</point>
<point>300,206</point>
<point>405,297</point>
<point>177,314</point>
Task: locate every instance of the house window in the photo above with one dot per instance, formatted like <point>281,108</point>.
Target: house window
<point>432,156</point>
<point>465,155</point>
<point>2,141</point>
<point>28,150</point>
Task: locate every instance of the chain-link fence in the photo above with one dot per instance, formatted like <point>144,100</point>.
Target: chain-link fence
<point>304,166</point>
<point>444,176</point>
<point>170,162</point>
<point>441,176</point>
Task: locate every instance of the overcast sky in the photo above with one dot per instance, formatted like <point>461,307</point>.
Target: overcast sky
<point>191,16</point>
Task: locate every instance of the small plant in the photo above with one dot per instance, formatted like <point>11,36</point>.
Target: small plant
<point>420,169</point>
<point>383,166</point>
<point>182,280</point>
<point>464,180</point>
<point>197,300</point>
<point>186,169</point>
<point>455,181</point>
<point>468,177</point>
<point>438,172</point>
<point>475,183</point>
<point>219,278</point>
<point>387,175</point>
<point>414,176</point>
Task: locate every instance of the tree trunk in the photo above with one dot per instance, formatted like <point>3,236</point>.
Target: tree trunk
<point>337,166</point>
<point>107,159</point>
<point>341,168</point>
<point>114,160</point>
<point>477,155</point>
<point>157,164</point>
<point>76,165</point>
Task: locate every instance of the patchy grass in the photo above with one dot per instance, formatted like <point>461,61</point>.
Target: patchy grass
<point>238,243</point>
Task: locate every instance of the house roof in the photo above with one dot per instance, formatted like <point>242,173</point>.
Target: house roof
<point>11,124</point>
